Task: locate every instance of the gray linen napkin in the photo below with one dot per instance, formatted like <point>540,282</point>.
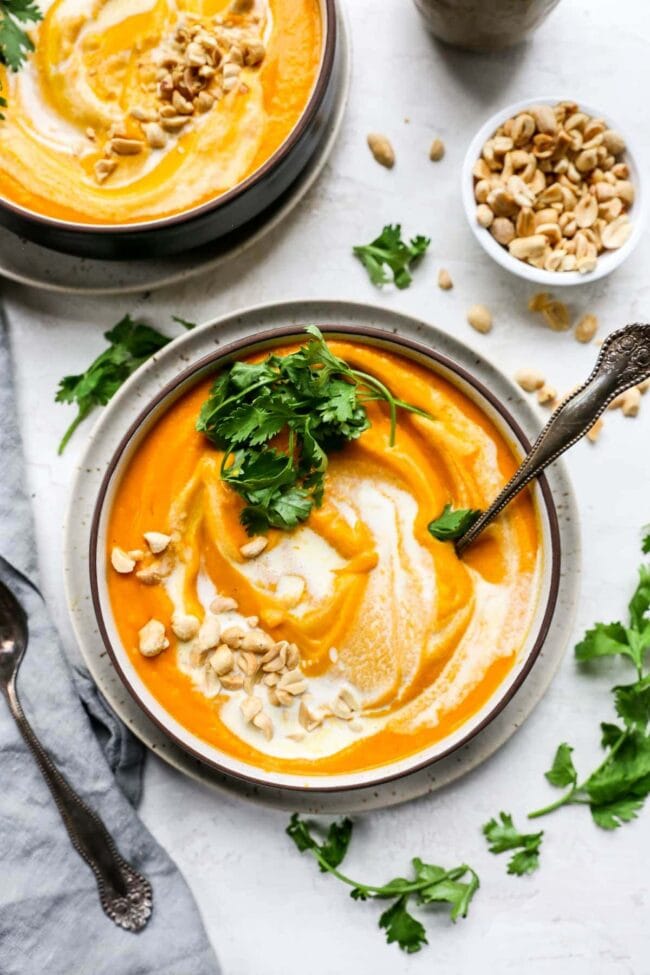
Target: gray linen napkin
<point>50,918</point>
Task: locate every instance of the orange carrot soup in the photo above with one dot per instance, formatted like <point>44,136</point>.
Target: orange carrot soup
<point>354,639</point>
<point>131,110</point>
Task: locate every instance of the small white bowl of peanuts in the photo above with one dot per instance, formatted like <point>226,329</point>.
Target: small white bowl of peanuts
<point>552,192</point>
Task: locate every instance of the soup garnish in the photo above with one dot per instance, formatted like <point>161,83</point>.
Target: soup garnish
<point>311,399</point>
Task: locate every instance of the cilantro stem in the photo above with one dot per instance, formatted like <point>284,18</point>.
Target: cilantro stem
<point>393,403</point>
<point>567,798</point>
<point>576,793</point>
<point>78,420</point>
<point>388,890</point>
<point>386,394</point>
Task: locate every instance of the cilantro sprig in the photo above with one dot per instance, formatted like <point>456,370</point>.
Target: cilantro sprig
<point>130,344</point>
<point>314,402</point>
<point>503,836</point>
<point>15,43</point>
<point>390,251</point>
<point>452,524</point>
<point>617,789</point>
<point>430,884</point>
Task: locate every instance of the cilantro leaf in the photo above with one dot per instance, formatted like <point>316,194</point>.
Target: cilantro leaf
<point>524,862</point>
<point>452,524</point>
<point>502,836</point>
<point>334,846</point>
<point>604,640</point>
<point>640,603</point>
<point>15,44</point>
<point>430,884</point>
<point>624,773</point>
<point>336,842</point>
<point>276,422</point>
<point>390,251</point>
<point>402,927</point>
<point>610,734</point>
<point>632,702</point>
<point>562,772</point>
<point>449,887</point>
<point>645,545</point>
<point>130,344</point>
<point>613,814</point>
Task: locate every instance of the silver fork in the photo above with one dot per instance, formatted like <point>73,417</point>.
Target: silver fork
<point>125,895</point>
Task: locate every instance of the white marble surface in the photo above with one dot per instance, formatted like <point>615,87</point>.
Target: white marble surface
<point>267,909</point>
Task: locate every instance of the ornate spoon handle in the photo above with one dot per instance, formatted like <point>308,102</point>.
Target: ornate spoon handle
<point>623,362</point>
<point>125,894</point>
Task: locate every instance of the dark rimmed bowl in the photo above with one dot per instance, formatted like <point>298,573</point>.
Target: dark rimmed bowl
<point>216,218</point>
<point>210,755</point>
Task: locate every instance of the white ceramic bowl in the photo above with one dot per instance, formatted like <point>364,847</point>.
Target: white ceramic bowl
<point>608,261</point>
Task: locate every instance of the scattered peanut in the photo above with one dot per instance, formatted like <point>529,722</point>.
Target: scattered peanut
<point>556,316</point>
<point>555,313</point>
<point>152,639</point>
<point>157,541</point>
<point>444,279</point>
<point>158,570</point>
<point>437,150</point>
<point>184,625</point>
<point>255,547</point>
<point>222,660</point>
<point>126,147</point>
<point>264,724</point>
<point>586,328</point>
<point>381,149</point>
<point>233,636</point>
<point>594,433</point>
<point>256,641</point>
<point>546,395</point>
<point>223,604</point>
<point>210,633</point>
<point>249,707</point>
<point>539,300</point>
<point>155,135</point>
<point>121,561</point>
<point>103,169</point>
<point>529,379</point>
<point>480,318</point>
<point>631,402</point>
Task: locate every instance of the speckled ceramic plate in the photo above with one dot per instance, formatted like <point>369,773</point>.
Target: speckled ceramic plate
<point>39,267</point>
<point>126,407</point>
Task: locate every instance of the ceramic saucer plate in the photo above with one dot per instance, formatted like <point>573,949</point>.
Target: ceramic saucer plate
<point>126,407</point>
<point>39,267</point>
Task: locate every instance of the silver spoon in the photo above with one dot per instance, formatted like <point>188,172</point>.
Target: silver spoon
<point>623,362</point>
<point>125,894</point>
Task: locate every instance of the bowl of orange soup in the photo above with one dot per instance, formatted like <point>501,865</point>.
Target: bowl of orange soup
<point>150,127</point>
<point>350,646</point>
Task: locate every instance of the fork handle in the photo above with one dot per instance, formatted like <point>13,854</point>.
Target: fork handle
<point>125,895</point>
